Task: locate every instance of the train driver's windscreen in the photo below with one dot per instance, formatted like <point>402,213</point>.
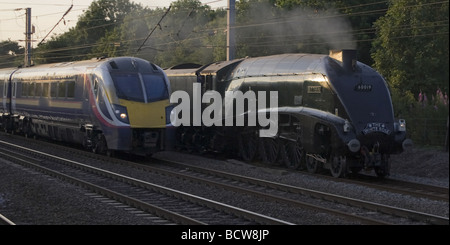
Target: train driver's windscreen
<point>129,87</point>
<point>155,87</point>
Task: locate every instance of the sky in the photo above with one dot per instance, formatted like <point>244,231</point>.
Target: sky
<point>46,14</point>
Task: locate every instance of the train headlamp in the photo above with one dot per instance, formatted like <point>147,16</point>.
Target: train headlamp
<point>347,126</point>
<point>402,125</point>
<point>121,113</point>
<point>171,115</point>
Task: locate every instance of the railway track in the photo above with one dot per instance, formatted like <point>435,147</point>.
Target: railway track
<point>5,221</point>
<point>176,206</point>
<point>266,189</point>
<point>277,192</point>
<point>420,190</point>
<point>438,193</point>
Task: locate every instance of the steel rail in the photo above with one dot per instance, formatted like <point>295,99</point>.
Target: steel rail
<point>401,212</point>
<point>181,195</point>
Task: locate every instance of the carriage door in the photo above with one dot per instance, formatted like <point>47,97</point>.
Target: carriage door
<point>3,89</point>
<point>13,95</point>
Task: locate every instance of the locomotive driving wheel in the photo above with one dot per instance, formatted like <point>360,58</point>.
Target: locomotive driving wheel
<point>248,144</point>
<point>312,165</point>
<point>338,166</point>
<point>292,154</point>
<point>269,150</point>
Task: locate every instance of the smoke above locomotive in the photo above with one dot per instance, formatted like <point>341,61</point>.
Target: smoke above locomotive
<point>314,111</point>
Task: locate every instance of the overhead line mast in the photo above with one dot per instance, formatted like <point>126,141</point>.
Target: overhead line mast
<point>28,32</point>
<point>231,19</point>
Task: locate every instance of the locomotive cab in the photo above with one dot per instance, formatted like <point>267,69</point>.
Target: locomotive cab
<point>138,96</point>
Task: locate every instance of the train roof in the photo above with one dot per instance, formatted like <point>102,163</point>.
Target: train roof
<point>77,67</point>
<point>217,67</point>
<point>188,69</point>
<point>282,64</point>
<point>5,73</point>
<point>275,65</point>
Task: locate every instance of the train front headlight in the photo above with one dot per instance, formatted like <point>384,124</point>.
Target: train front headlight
<point>170,114</point>
<point>347,126</point>
<point>402,125</point>
<point>121,113</point>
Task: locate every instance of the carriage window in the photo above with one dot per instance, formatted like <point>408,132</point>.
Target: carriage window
<point>155,87</point>
<point>45,90</point>
<point>71,89</point>
<point>25,89</point>
<point>95,86</point>
<point>54,89</point>
<point>31,89</point>
<point>62,90</point>
<point>38,89</point>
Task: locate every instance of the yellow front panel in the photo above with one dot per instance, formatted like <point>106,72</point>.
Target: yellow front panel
<point>150,115</point>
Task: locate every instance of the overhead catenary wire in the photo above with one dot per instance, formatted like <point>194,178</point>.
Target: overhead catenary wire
<point>156,26</point>
<point>70,8</point>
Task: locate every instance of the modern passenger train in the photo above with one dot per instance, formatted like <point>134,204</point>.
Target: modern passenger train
<point>106,105</point>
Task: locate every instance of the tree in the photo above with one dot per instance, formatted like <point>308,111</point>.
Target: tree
<point>11,54</point>
<point>96,29</point>
<point>180,37</point>
<point>412,49</point>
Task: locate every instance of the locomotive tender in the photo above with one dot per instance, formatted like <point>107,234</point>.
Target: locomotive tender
<point>107,105</point>
<point>333,112</point>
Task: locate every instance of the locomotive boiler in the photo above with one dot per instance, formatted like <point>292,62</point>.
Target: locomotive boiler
<point>333,112</point>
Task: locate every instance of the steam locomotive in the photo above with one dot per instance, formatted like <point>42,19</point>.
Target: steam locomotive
<point>331,112</point>
<point>106,105</point>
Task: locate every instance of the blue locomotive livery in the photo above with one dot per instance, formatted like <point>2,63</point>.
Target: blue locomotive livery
<point>106,105</point>
<point>334,112</point>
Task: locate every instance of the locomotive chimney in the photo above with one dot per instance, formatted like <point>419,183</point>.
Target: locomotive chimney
<point>345,57</point>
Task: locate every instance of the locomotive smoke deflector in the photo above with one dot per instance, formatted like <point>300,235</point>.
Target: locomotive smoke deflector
<point>345,57</point>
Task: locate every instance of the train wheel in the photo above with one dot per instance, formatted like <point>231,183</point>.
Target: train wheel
<point>384,169</point>
<point>100,146</point>
<point>248,145</point>
<point>355,170</point>
<point>338,166</point>
<point>269,150</point>
<point>186,139</point>
<point>198,142</point>
<point>312,165</point>
<point>292,155</point>
<point>110,153</point>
